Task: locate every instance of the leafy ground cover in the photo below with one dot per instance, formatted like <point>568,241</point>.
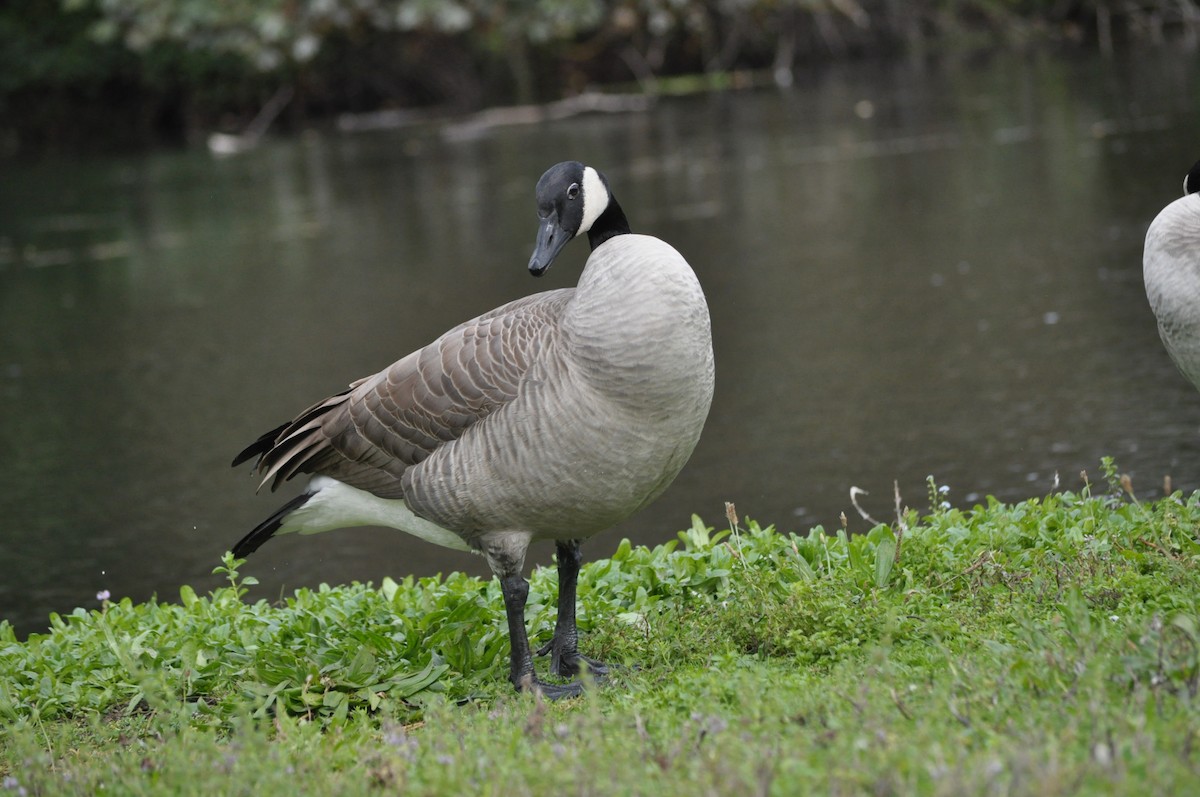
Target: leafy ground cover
<point>1048,647</point>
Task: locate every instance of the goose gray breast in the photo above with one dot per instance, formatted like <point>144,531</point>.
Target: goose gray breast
<point>552,417</point>
<point>1171,270</point>
<point>605,418</point>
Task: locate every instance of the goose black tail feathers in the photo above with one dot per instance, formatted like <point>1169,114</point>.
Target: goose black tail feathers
<point>265,530</point>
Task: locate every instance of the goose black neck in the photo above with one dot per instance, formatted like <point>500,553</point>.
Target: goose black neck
<point>1191,185</point>
<point>612,222</point>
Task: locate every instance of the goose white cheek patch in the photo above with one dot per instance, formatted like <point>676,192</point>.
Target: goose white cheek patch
<point>595,198</point>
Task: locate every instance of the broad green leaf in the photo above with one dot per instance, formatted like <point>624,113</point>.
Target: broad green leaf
<point>885,557</point>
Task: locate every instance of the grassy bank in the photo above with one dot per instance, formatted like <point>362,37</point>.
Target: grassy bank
<point>1048,647</point>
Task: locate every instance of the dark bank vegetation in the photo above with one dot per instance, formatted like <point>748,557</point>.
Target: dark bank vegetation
<point>125,73</point>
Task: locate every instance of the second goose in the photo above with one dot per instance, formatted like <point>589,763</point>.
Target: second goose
<point>1171,269</point>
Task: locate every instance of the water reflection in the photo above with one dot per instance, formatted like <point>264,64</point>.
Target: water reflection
<point>911,271</point>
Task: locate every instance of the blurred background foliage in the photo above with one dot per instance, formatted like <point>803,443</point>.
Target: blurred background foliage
<point>80,74</point>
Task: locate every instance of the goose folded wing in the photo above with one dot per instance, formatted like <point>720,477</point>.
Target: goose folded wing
<point>369,434</point>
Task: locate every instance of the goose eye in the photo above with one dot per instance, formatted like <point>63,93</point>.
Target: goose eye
<point>573,191</point>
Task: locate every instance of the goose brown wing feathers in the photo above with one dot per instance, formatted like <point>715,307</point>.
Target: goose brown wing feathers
<point>370,433</point>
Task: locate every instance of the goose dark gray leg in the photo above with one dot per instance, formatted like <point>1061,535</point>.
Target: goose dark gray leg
<point>516,593</point>
<point>565,659</point>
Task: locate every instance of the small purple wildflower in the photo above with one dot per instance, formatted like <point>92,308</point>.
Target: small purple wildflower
<point>103,595</point>
<point>396,736</point>
<point>709,723</point>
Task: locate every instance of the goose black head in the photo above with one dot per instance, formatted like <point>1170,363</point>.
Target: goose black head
<point>1191,183</point>
<point>573,199</point>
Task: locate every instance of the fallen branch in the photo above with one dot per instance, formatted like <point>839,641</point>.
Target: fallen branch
<point>226,144</point>
<point>588,102</point>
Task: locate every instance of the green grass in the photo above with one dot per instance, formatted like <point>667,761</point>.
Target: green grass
<point>1049,647</point>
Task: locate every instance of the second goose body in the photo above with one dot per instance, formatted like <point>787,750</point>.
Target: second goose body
<point>551,417</point>
<point>1171,270</point>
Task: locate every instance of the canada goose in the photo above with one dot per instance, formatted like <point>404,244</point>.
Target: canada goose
<point>1171,270</point>
<point>552,417</point>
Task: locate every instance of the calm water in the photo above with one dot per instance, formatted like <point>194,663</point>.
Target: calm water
<point>912,270</point>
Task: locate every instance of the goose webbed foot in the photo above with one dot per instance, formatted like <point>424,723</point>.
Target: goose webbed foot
<point>570,663</point>
<point>550,691</point>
